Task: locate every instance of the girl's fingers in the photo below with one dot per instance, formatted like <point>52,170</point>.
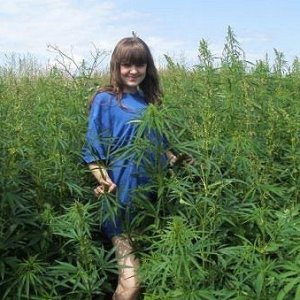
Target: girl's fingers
<point>173,160</point>
<point>99,190</point>
<point>106,186</point>
<point>184,158</point>
<point>109,184</point>
<point>112,187</point>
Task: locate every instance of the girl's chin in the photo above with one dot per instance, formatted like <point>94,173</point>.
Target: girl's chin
<point>131,84</point>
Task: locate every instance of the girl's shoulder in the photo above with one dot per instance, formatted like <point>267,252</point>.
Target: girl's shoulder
<point>103,97</point>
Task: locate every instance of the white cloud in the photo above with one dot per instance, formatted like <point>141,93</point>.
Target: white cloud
<point>31,25</point>
<point>28,26</point>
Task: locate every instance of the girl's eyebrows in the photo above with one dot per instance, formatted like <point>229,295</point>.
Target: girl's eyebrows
<point>133,63</point>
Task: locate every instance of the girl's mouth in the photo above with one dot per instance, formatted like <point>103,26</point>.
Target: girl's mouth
<point>132,78</point>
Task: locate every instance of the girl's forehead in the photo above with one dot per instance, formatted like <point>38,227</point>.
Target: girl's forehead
<point>133,55</point>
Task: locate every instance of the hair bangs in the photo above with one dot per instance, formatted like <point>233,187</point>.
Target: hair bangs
<point>133,55</point>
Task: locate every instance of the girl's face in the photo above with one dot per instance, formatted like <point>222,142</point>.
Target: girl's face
<point>132,75</point>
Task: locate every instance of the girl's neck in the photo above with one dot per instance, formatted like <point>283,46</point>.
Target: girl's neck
<point>129,90</point>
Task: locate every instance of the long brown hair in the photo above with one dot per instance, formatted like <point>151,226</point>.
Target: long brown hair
<point>134,51</point>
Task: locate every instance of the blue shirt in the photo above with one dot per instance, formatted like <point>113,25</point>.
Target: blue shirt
<point>111,127</point>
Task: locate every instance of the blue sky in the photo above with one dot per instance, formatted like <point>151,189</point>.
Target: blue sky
<point>169,27</point>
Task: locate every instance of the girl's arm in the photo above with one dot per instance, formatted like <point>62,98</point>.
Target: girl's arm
<point>101,175</point>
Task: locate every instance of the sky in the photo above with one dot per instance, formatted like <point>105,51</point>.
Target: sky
<point>169,27</point>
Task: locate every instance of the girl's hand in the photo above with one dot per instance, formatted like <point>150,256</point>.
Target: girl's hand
<point>172,160</point>
<point>171,157</point>
<point>106,186</point>
<point>182,158</point>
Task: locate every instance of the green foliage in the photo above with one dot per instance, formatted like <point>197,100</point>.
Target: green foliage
<point>225,227</point>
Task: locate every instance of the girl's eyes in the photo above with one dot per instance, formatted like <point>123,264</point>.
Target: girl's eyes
<point>136,65</point>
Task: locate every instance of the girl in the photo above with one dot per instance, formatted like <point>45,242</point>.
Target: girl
<point>134,84</point>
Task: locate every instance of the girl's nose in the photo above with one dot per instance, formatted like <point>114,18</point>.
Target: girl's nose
<point>133,69</point>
